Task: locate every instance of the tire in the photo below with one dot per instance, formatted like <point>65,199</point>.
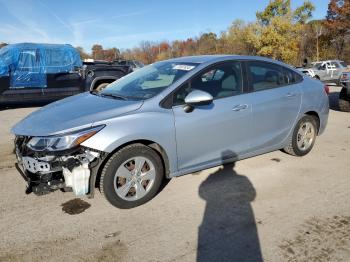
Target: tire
<point>122,182</point>
<point>295,145</point>
<point>100,87</point>
<point>344,103</point>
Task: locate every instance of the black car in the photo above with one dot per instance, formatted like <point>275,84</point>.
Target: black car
<point>47,72</point>
<point>344,95</point>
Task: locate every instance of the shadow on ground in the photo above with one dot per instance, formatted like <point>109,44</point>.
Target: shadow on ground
<point>228,231</point>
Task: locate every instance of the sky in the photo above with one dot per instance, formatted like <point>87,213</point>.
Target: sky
<point>124,24</point>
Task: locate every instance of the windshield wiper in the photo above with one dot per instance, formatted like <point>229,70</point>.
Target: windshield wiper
<point>113,96</point>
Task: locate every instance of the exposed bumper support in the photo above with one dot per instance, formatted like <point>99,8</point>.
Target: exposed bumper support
<point>74,170</point>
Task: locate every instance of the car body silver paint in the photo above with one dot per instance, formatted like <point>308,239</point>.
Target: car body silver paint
<point>196,140</point>
<point>72,113</point>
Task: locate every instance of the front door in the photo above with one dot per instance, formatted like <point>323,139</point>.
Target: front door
<point>27,79</point>
<point>211,134</point>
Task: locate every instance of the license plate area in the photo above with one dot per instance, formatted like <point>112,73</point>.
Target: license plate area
<point>34,166</point>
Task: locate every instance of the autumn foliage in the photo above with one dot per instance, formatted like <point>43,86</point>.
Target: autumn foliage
<point>279,32</point>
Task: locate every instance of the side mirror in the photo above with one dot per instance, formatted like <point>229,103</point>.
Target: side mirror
<point>197,98</point>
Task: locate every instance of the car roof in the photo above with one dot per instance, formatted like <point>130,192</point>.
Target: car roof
<point>210,59</point>
<point>325,61</point>
<point>200,59</point>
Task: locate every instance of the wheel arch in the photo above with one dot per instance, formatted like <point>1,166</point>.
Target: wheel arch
<point>315,115</point>
<point>100,80</point>
<point>94,182</point>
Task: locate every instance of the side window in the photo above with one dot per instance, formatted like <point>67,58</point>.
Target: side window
<point>265,75</point>
<point>28,60</point>
<point>291,77</point>
<point>220,81</point>
<point>57,60</point>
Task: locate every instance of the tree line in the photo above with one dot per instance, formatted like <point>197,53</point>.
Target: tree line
<point>279,32</point>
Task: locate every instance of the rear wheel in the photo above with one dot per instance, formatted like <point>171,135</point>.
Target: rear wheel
<point>303,137</point>
<point>132,176</point>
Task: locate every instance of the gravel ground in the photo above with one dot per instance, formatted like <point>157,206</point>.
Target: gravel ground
<point>273,207</point>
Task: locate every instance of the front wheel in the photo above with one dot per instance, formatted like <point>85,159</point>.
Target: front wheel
<point>303,138</point>
<point>132,176</point>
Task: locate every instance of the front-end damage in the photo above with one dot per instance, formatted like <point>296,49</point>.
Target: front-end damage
<point>69,170</point>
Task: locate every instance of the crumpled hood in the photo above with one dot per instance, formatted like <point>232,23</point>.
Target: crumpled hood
<point>73,113</point>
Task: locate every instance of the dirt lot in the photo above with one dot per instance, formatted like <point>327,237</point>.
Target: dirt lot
<point>274,207</point>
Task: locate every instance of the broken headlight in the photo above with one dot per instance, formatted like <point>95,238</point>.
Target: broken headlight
<point>63,141</point>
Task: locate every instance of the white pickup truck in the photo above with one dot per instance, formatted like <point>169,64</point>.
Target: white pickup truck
<point>328,71</point>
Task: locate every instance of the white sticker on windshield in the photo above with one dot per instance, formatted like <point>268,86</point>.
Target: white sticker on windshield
<point>183,67</point>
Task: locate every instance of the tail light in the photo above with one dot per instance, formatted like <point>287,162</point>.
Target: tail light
<point>326,89</point>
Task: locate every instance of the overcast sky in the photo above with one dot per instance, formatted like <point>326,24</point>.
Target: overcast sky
<point>123,24</point>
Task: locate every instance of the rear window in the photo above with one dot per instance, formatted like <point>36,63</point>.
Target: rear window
<point>265,75</point>
<point>291,77</point>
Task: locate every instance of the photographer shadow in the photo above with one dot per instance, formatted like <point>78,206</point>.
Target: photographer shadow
<point>228,231</point>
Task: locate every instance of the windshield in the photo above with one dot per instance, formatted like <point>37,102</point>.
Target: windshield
<point>139,64</point>
<point>316,65</point>
<point>149,80</point>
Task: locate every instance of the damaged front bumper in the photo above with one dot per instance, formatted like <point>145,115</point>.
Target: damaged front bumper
<point>71,170</point>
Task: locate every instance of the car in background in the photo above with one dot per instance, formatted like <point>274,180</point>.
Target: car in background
<point>344,95</point>
<point>328,71</point>
<point>48,72</point>
<point>307,71</point>
<point>169,119</point>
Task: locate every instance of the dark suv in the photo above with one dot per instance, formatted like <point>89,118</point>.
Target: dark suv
<point>47,72</point>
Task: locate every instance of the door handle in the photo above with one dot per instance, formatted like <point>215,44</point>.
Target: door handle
<point>240,107</point>
<point>290,95</point>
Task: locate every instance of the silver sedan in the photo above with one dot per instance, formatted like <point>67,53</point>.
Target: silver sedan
<point>169,119</point>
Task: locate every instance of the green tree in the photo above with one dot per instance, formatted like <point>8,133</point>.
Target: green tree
<point>240,39</point>
<point>303,13</point>
<point>273,9</point>
<point>280,40</point>
<point>281,29</point>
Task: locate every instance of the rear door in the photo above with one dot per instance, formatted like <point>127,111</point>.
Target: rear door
<point>275,104</point>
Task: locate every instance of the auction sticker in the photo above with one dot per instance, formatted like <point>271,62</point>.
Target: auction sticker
<point>183,67</point>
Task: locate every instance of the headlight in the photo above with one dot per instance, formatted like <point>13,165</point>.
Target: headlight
<point>62,142</point>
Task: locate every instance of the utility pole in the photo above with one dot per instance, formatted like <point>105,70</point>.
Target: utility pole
<point>318,34</point>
